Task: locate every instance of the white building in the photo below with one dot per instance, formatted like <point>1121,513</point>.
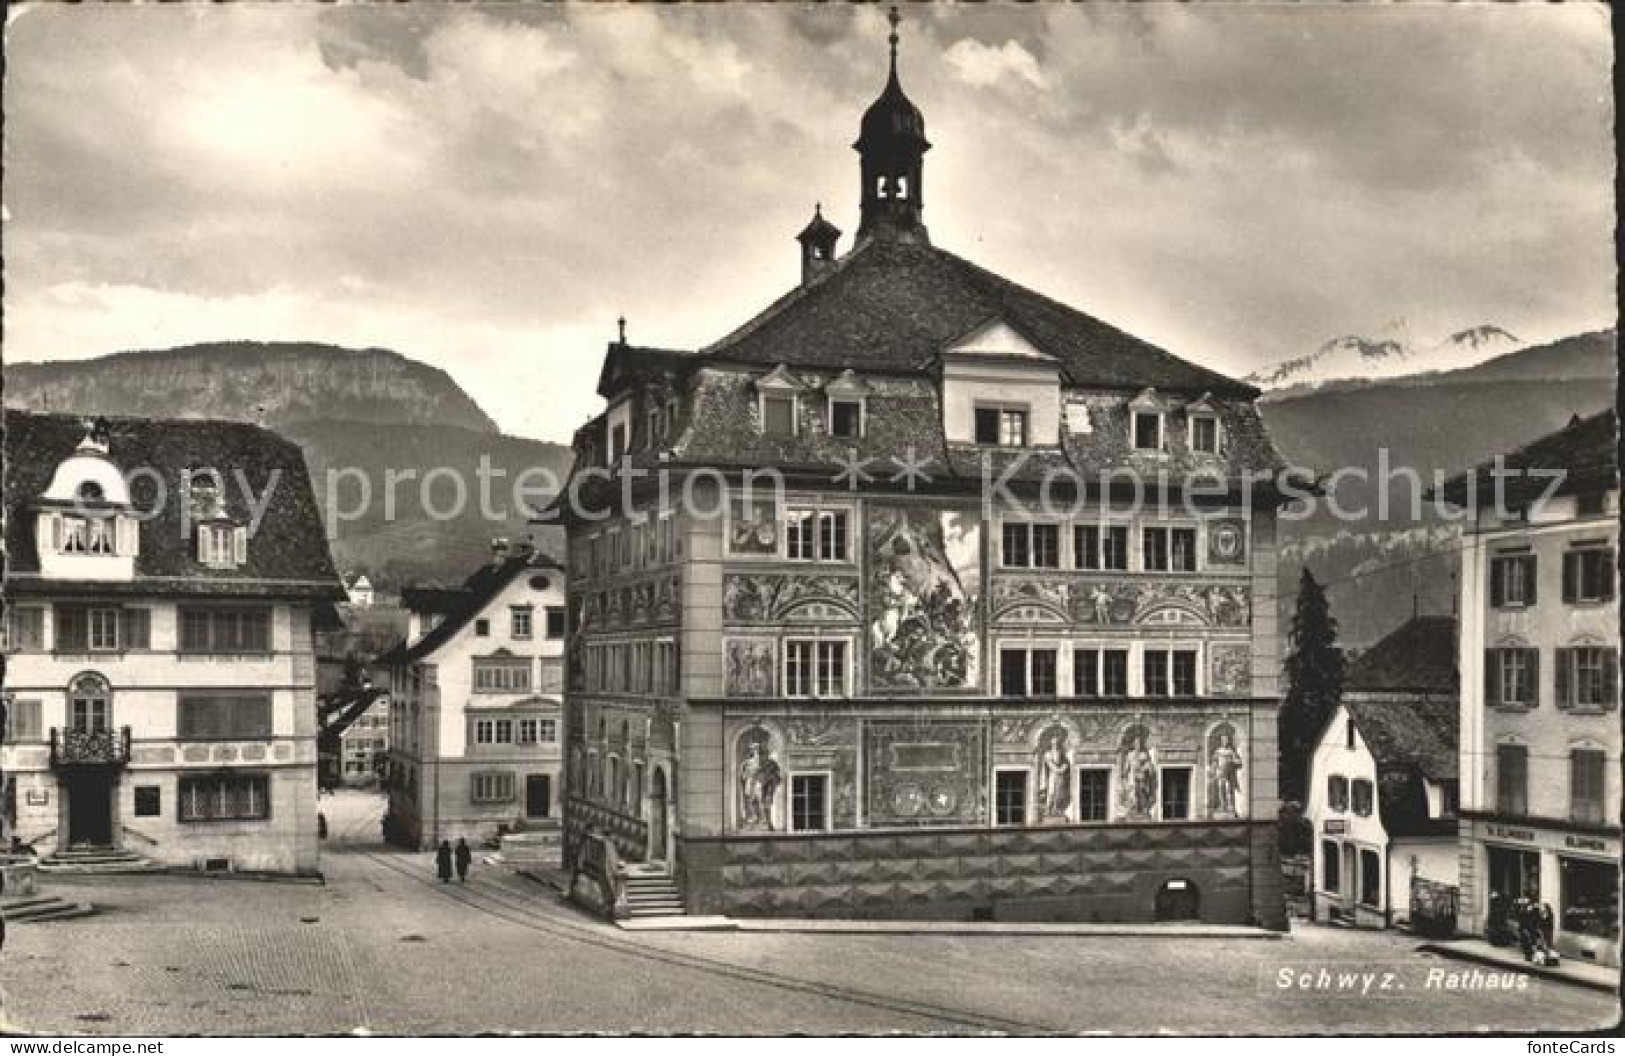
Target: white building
<point>1540,732</point>
<point>160,679</point>
<point>1383,779</point>
<point>475,708</point>
<point>361,593</point>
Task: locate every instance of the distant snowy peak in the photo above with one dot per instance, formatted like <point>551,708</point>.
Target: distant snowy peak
<point>1355,357</point>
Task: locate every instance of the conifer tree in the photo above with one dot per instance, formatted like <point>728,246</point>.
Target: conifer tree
<point>1314,674</point>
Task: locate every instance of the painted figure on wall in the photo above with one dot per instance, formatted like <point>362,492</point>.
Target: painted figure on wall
<point>1224,772</point>
<point>759,778</point>
<point>749,667</point>
<point>924,599</point>
<point>1137,773</point>
<point>1054,775</point>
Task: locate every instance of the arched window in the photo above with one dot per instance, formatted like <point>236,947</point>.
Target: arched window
<point>902,188</point>
<point>90,704</point>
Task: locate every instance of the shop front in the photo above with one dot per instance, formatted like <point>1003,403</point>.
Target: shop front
<point>1575,873</point>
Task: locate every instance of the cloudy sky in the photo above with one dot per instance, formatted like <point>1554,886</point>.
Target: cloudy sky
<point>487,187</point>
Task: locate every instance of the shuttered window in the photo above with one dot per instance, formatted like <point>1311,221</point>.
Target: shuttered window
<point>1512,677</point>
<point>1588,677</point>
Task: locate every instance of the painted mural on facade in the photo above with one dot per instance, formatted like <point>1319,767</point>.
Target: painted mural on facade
<point>1052,763</point>
<point>923,599</point>
<point>1224,766</point>
<point>758,777</point>
<point>1097,602</point>
<point>925,773</point>
<point>1137,773</point>
<point>749,665</point>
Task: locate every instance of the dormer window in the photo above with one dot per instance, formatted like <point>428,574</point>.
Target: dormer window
<point>222,545</point>
<point>1204,426</point>
<point>1148,430</point>
<point>1002,426</point>
<point>779,415</point>
<point>847,396</point>
<point>779,399</point>
<point>1147,421</point>
<point>846,418</point>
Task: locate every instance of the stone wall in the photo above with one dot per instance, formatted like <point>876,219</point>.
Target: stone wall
<point>1074,873</point>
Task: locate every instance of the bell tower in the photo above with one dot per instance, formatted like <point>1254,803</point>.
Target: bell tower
<point>891,147</point>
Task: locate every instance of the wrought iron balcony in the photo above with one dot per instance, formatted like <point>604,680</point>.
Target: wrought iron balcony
<point>90,747</point>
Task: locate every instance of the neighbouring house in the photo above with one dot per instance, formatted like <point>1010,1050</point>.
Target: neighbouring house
<point>360,592</point>
<point>163,580</point>
<point>475,704</point>
<point>877,685</point>
<point>1540,724</point>
<point>1383,780</point>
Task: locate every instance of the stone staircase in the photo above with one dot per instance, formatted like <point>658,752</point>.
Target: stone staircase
<point>40,909</point>
<point>76,861</point>
<point>651,892</point>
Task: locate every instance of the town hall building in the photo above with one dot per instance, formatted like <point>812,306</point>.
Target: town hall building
<point>847,664</point>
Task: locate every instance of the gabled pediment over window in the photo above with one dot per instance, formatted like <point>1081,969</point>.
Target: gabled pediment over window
<point>1148,400</point>
<point>847,386</point>
<point>997,338</point>
<point>779,380</point>
<point>1203,404</point>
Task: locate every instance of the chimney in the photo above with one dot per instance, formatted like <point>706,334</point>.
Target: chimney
<point>499,550</point>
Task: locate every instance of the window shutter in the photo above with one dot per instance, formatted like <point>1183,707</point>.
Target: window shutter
<point>1571,577</point>
<point>1530,583</point>
<point>1498,582</point>
<point>129,536</point>
<point>239,546</point>
<point>1608,575</point>
<point>56,533</point>
<point>1492,677</point>
<point>1564,658</point>
<point>1531,659</point>
<point>140,634</point>
<point>1610,677</point>
<point>205,545</point>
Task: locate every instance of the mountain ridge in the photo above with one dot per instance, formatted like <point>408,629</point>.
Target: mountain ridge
<point>1356,356</point>
<point>271,383</point>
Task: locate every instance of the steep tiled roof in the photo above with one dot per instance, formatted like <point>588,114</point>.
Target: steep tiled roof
<point>287,555</point>
<point>1418,657</point>
<point>463,605</point>
<point>892,305</point>
<point>1586,451</point>
<point>1419,731</point>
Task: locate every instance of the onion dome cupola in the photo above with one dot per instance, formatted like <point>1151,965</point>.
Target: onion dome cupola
<point>818,241</point>
<point>891,146</point>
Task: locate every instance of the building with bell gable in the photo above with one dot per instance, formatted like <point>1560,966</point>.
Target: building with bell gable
<point>892,683</point>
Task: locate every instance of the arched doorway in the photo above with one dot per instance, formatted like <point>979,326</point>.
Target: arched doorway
<point>1177,900</point>
<point>88,755</point>
<point>657,816</point>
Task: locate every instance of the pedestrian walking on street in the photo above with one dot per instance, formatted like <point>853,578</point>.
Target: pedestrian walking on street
<point>464,856</point>
<point>442,861</point>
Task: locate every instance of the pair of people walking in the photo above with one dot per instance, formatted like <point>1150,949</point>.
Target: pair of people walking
<point>445,857</point>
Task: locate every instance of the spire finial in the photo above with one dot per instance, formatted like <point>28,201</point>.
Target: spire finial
<point>894,18</point>
<point>620,324</point>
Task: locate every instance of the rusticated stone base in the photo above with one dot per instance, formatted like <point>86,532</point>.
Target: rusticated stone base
<point>1219,873</point>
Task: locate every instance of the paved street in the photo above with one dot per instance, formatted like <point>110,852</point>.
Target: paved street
<point>384,947</point>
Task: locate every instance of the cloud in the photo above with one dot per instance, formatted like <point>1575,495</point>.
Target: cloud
<point>487,187</point>
<point>982,66</point>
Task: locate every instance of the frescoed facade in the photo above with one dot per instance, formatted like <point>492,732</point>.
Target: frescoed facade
<point>845,662</point>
